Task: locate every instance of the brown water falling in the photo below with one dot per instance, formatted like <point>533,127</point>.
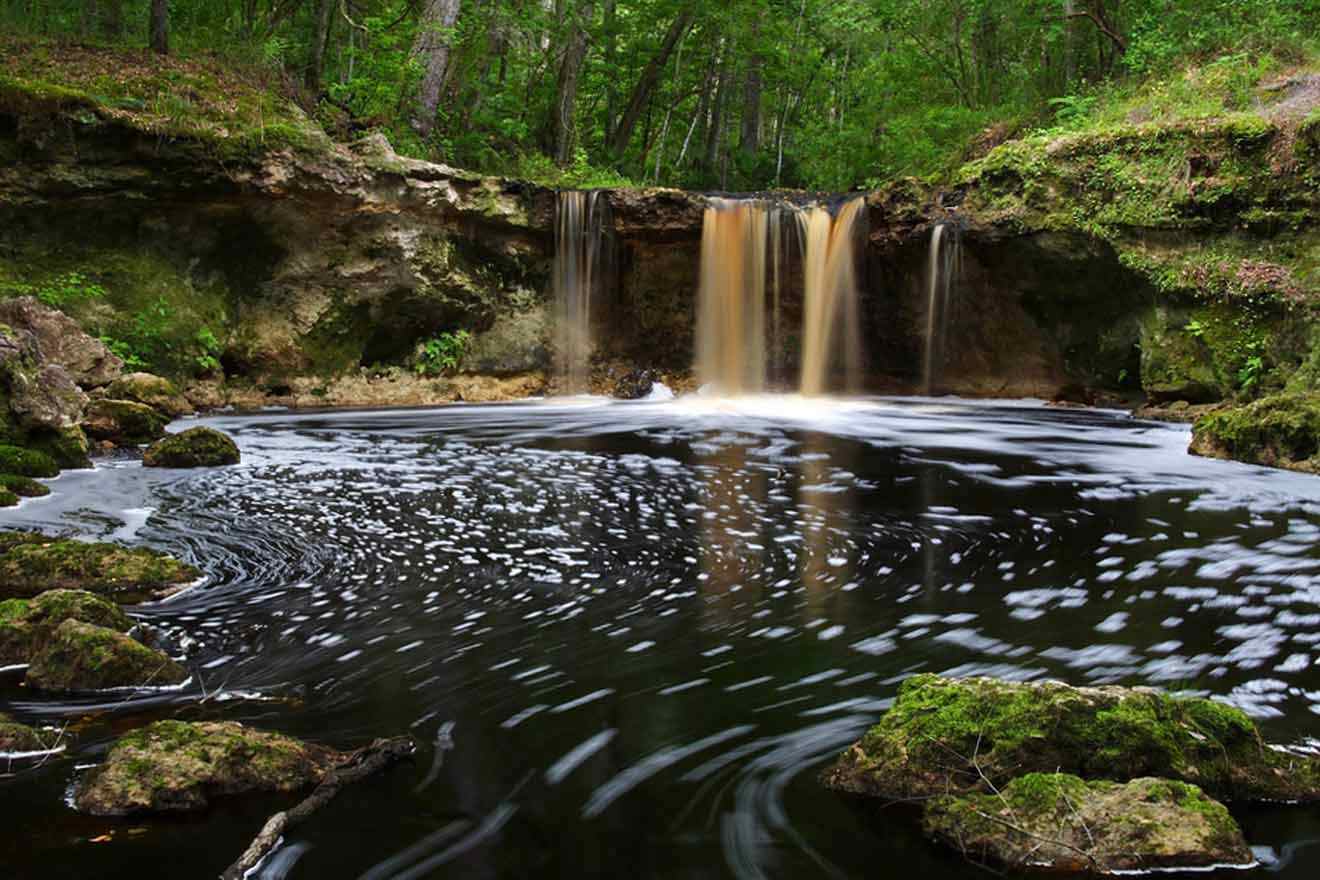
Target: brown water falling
<point>579,248</point>
<point>831,326</point>
<point>945,264</point>
<point>731,312</point>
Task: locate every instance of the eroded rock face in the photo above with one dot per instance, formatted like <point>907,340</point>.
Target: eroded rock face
<point>195,447</point>
<point>31,564</point>
<point>173,766</point>
<point>156,392</point>
<point>82,656</point>
<point>46,398</point>
<point>1057,822</point>
<point>62,342</point>
<point>123,422</point>
<point>945,735</point>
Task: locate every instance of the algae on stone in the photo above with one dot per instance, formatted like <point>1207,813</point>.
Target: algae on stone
<point>195,447</point>
<point>1058,822</point>
<point>27,462</point>
<point>1279,431</point>
<point>82,656</point>
<point>31,564</point>
<point>27,624</point>
<point>951,736</point>
<point>174,766</point>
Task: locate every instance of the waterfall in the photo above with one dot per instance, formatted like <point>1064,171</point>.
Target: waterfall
<point>735,269</point>
<point>580,224</point>
<point>944,265</point>
<point>831,327</point>
<point>731,301</point>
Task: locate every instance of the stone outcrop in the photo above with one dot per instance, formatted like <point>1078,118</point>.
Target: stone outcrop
<point>193,448</point>
<point>156,392</point>
<point>123,422</point>
<point>32,563</point>
<point>61,341</point>
<point>1278,431</point>
<point>26,625</point>
<point>81,656</point>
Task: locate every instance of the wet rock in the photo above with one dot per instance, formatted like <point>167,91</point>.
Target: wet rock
<point>23,487</point>
<point>1057,822</point>
<point>174,766</point>
<point>632,385</point>
<point>26,625</point>
<point>68,447</point>
<point>27,462</point>
<point>31,564</point>
<point>15,737</point>
<point>1281,431</point>
<point>195,447</point>
<point>62,342</point>
<point>124,422</point>
<point>1179,412</point>
<point>951,736</point>
<point>46,397</point>
<point>153,391</point>
<point>82,656</point>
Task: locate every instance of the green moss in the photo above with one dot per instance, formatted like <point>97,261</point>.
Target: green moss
<point>68,447</point>
<point>27,625</point>
<point>83,656</point>
<point>16,737</point>
<point>32,564</point>
<point>195,447</point>
<point>27,462</point>
<point>24,487</point>
<point>1279,431</point>
<point>124,422</point>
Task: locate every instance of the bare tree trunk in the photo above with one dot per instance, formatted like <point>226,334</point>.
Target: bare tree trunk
<point>566,93</point>
<point>715,133</point>
<point>433,44</point>
<point>751,116</point>
<point>641,94</point>
<point>320,39</point>
<point>160,26</point>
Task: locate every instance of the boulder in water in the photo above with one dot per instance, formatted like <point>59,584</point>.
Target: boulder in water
<point>27,462</point>
<point>156,392</point>
<point>32,563</point>
<point>1058,822</point>
<point>195,447</point>
<point>18,738</point>
<point>1278,431</point>
<point>27,624</point>
<point>82,656</point>
<point>124,422</point>
<point>174,766</point>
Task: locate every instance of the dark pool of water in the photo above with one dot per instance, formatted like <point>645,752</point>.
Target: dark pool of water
<point>627,636</point>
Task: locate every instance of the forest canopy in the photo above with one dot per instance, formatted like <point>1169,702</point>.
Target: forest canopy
<point>733,95</point>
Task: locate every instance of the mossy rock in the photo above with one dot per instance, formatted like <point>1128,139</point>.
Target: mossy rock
<point>27,624</point>
<point>31,564</point>
<point>27,462</point>
<point>124,422</point>
<point>82,656</point>
<point>156,392</point>
<point>67,447</point>
<point>23,487</point>
<point>173,766</point>
<point>195,447</point>
<point>1279,431</point>
<point>8,498</point>
<point>959,736</point>
<point>1058,822</point>
<point>18,738</point>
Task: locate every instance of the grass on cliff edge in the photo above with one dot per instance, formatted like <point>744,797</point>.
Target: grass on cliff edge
<point>239,111</point>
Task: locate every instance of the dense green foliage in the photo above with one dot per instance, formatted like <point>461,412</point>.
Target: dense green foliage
<point>738,95</point>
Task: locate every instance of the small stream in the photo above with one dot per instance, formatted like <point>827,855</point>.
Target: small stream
<point>626,636</point>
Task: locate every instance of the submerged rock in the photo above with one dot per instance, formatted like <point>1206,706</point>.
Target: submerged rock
<point>156,392</point>
<point>26,625</point>
<point>32,563</point>
<point>959,736</point>
<point>1280,431</point>
<point>195,447</point>
<point>82,656</point>
<point>124,422</point>
<point>1059,822</point>
<point>175,766</point>
<point>15,737</point>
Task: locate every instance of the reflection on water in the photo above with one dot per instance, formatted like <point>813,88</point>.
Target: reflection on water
<point>625,636</point>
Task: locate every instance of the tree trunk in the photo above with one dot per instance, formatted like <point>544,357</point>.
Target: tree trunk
<point>160,27</point>
<point>715,133</point>
<point>432,45</point>
<point>570,69</point>
<point>751,116</point>
<point>320,39</point>
<point>641,94</point>
<point>611,47</point>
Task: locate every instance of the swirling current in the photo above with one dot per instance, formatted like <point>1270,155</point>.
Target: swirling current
<point>627,636</point>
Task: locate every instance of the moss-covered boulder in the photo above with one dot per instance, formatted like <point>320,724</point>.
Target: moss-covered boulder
<point>195,447</point>
<point>1279,431</point>
<point>154,391</point>
<point>951,736</point>
<point>175,766</point>
<point>82,656</point>
<point>27,624</point>
<point>67,447</point>
<point>23,487</point>
<point>27,462</point>
<point>1058,822</point>
<point>123,422</point>
<point>31,564</point>
<point>18,738</point>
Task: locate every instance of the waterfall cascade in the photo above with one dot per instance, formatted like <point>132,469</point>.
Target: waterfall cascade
<point>735,269</point>
<point>580,225</point>
<point>941,275</point>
